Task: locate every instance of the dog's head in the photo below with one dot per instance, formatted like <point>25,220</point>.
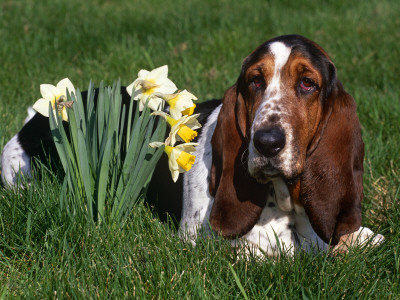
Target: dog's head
<point>288,115</point>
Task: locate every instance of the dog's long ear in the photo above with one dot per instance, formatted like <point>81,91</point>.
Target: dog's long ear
<point>331,185</point>
<point>238,198</point>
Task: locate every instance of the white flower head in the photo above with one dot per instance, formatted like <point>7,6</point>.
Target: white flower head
<point>57,96</point>
<point>148,83</point>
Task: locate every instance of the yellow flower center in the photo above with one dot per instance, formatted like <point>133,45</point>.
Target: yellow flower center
<point>57,100</point>
<point>148,86</point>
<point>186,160</point>
<point>62,105</point>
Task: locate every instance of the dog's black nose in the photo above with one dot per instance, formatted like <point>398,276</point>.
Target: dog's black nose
<point>269,142</point>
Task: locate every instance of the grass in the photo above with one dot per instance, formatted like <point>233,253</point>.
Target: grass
<point>44,255</point>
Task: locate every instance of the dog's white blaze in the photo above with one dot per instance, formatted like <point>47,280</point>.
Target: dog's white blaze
<point>274,90</point>
<point>281,54</point>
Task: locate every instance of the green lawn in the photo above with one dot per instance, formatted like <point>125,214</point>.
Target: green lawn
<point>45,255</point>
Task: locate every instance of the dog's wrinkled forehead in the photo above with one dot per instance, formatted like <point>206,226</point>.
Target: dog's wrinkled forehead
<point>281,48</point>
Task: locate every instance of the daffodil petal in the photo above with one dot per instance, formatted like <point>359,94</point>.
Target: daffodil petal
<point>160,113</point>
<point>42,107</point>
<point>175,113</point>
<point>175,175</point>
<point>159,73</point>
<point>187,147</point>
<point>155,103</point>
<point>172,135</point>
<point>139,95</point>
<point>48,91</point>
<point>173,165</point>
<point>143,74</point>
<point>166,86</point>
<point>141,106</point>
<point>65,84</point>
<point>191,121</point>
<point>187,95</point>
<point>156,144</point>
<point>129,89</point>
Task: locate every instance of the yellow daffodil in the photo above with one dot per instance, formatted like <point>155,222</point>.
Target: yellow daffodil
<point>180,158</point>
<point>57,96</point>
<point>180,103</point>
<point>182,129</point>
<point>148,83</point>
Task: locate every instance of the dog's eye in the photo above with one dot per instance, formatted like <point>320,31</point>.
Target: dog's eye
<point>307,84</point>
<point>257,81</point>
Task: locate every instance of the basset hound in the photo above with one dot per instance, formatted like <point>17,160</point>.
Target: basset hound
<point>279,163</point>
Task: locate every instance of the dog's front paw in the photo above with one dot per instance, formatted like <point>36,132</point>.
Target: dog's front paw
<point>363,236</point>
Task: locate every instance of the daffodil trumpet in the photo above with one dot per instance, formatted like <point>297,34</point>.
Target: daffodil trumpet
<point>180,158</point>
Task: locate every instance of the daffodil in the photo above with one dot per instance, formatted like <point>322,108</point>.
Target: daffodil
<point>182,129</point>
<point>148,83</point>
<point>180,158</point>
<point>180,103</point>
<point>57,96</point>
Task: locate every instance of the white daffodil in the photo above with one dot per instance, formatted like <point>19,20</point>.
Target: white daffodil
<point>180,158</point>
<point>180,103</point>
<point>182,129</point>
<point>57,96</point>
<point>148,83</point>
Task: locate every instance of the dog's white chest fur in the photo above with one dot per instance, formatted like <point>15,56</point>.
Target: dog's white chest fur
<point>281,224</point>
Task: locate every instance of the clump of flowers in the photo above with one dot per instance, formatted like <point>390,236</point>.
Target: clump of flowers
<point>156,89</point>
